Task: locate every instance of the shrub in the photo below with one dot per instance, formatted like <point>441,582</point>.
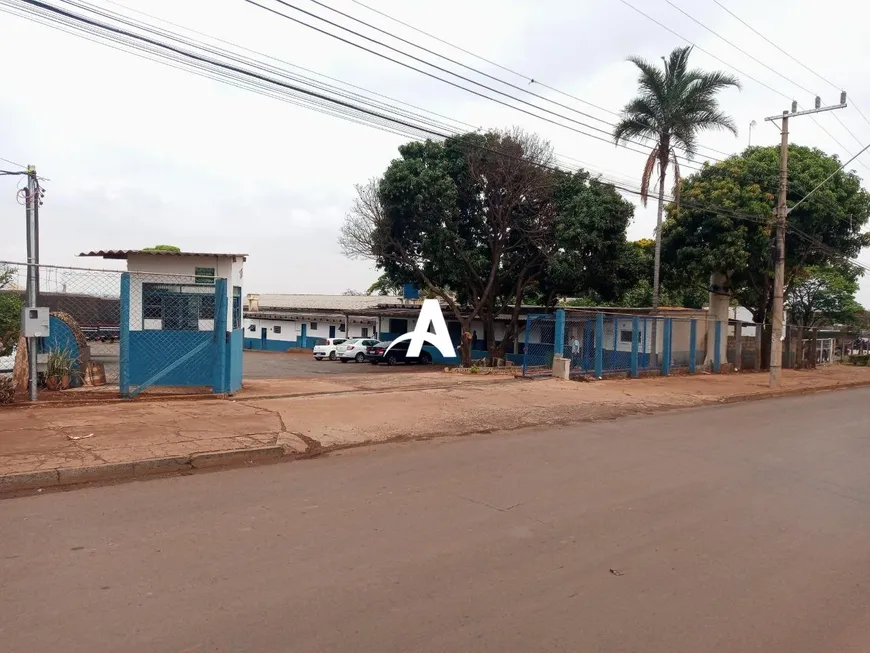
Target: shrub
<point>863,360</point>
<point>7,390</point>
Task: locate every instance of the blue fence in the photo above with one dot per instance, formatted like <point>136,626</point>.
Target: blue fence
<point>600,344</point>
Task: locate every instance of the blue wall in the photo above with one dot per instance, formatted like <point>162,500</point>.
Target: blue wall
<point>234,362</point>
<point>152,351</point>
<point>61,337</point>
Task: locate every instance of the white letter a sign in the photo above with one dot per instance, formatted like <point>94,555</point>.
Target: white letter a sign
<point>430,313</point>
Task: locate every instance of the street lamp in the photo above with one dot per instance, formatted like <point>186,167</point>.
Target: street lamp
<point>751,125</point>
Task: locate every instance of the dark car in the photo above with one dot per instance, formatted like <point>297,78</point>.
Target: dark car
<point>398,354</point>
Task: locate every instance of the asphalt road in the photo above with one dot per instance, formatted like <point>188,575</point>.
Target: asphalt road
<point>738,528</point>
<point>260,365</point>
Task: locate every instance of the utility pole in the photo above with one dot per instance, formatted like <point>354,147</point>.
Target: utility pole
<point>782,211</point>
<point>31,201</point>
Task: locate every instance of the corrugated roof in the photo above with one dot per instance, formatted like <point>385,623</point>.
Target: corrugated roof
<point>123,254</point>
<point>325,302</point>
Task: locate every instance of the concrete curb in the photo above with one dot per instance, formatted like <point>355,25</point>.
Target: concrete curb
<point>69,476</point>
<point>66,476</point>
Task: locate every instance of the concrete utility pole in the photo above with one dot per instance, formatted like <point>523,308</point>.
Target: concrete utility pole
<point>782,211</point>
<point>31,202</point>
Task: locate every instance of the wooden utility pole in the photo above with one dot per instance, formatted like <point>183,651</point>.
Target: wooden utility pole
<point>782,210</point>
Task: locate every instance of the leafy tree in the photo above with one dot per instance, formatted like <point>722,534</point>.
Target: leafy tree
<point>10,312</point>
<point>592,257</point>
<point>486,224</point>
<point>162,248</point>
<point>383,286</point>
<point>673,105</point>
<point>725,224</point>
<point>823,295</point>
<point>470,219</point>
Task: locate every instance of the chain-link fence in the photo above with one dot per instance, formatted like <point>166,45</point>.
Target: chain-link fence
<point>125,331</point>
<point>85,323</point>
<point>599,344</point>
<point>538,345</point>
<point>168,323</point>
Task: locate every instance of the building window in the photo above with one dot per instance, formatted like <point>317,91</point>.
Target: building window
<point>313,326</point>
<point>365,332</point>
<point>204,275</point>
<point>625,336</point>
<point>206,307</point>
<point>237,307</point>
<point>177,310</point>
<point>152,305</point>
<point>276,329</point>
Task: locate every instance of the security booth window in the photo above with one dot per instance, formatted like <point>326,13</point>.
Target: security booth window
<point>177,307</point>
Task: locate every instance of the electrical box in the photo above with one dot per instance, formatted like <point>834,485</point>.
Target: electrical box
<point>35,322</point>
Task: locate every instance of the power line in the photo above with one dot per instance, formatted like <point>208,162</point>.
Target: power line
<point>446,81</point>
<point>739,49</point>
<point>836,87</point>
<point>523,76</point>
<point>459,63</point>
<point>12,162</point>
<point>797,61</point>
<point>288,63</point>
<point>699,48</point>
<point>818,124</point>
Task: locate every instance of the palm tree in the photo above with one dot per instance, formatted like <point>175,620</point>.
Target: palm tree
<point>673,105</point>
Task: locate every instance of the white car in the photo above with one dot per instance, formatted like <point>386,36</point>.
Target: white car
<point>327,349</point>
<point>354,349</point>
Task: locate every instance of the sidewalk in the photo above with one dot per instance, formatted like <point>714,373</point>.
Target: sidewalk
<point>69,444</point>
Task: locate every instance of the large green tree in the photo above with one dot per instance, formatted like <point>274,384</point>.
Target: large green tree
<point>674,103</point>
<point>824,295</point>
<point>484,222</point>
<point>724,226</point>
<point>469,219</point>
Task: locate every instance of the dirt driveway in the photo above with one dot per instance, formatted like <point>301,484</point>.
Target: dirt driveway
<point>267,365</point>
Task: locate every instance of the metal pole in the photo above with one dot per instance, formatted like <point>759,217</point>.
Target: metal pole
<point>31,198</point>
<point>779,271</point>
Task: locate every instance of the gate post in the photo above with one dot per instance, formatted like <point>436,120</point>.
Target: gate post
<point>124,335</point>
<point>599,345</point>
<point>559,337</point>
<point>666,347</point>
<point>219,383</point>
<point>635,334</point>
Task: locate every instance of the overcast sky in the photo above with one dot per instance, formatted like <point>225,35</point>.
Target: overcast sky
<point>140,154</point>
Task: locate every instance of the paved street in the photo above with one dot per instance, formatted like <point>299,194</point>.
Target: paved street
<point>735,528</point>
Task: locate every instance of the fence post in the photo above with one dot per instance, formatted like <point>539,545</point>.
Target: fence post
<point>219,384</point>
<point>717,354</point>
<point>759,335</point>
<point>666,347</point>
<point>635,337</point>
<point>559,337</point>
<point>124,335</point>
<point>599,345</point>
<point>526,344</point>
<point>693,345</point>
<point>738,346</point>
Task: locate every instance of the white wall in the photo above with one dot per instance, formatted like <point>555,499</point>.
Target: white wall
<point>168,269</point>
<point>290,329</point>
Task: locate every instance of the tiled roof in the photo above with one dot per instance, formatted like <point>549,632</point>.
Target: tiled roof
<point>123,254</point>
<point>327,302</point>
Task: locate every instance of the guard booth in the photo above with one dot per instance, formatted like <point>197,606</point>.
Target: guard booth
<point>181,320</point>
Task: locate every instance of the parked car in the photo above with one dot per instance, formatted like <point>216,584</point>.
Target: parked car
<point>326,349</point>
<point>378,353</point>
<point>354,349</point>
